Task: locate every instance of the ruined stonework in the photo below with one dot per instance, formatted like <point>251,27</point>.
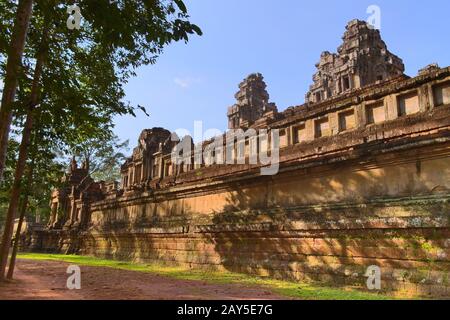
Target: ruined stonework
<point>146,163</point>
<point>362,59</point>
<point>364,180</point>
<point>252,103</point>
<point>69,205</point>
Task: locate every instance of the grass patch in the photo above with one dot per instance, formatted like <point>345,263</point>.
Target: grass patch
<point>284,288</point>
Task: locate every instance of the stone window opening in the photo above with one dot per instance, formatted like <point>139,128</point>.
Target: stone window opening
<point>137,173</point>
<point>318,97</point>
<point>375,113</point>
<point>299,133</point>
<point>322,128</point>
<point>345,83</point>
<point>236,122</point>
<point>167,170</point>
<point>253,146</point>
<point>441,94</point>
<point>213,157</point>
<point>283,138</point>
<point>408,104</point>
<point>247,148</point>
<point>346,120</point>
<point>130,178</point>
<point>264,143</point>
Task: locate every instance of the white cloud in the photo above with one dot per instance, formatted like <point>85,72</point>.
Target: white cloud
<point>186,82</point>
<point>1,85</point>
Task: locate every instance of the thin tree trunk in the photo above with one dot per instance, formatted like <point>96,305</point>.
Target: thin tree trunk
<point>23,210</point>
<point>16,48</point>
<point>23,155</point>
<point>15,192</point>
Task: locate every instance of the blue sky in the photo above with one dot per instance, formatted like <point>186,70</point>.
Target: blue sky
<point>281,39</point>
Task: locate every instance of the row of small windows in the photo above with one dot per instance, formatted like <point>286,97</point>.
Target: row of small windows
<point>374,113</point>
<point>343,85</point>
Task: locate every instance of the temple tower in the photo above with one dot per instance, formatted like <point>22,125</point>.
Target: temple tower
<point>252,102</point>
<point>362,59</point>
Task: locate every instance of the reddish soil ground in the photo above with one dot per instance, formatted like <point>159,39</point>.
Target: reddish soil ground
<point>47,280</point>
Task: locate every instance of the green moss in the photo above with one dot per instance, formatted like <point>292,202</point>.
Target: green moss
<point>445,279</point>
<point>405,275</point>
<point>427,247</point>
<point>285,288</point>
<point>199,173</point>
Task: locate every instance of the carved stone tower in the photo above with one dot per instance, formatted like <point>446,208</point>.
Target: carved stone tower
<point>252,102</point>
<point>362,59</point>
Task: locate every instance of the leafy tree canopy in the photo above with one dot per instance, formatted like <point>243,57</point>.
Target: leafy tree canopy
<point>81,88</point>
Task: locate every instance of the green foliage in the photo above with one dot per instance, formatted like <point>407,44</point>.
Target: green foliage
<point>8,9</point>
<point>104,156</point>
<point>5,186</point>
<point>82,84</point>
<point>47,170</point>
<point>81,88</point>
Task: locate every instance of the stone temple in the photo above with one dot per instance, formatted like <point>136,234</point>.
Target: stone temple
<point>363,59</point>
<point>364,179</point>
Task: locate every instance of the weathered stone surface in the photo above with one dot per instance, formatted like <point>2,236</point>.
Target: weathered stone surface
<point>252,103</point>
<point>69,205</point>
<point>362,59</point>
<point>364,180</point>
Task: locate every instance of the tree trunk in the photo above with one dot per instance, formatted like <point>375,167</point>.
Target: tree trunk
<point>23,209</point>
<point>14,62</point>
<point>23,155</point>
<point>15,192</point>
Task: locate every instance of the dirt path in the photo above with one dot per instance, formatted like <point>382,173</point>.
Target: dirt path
<point>47,280</point>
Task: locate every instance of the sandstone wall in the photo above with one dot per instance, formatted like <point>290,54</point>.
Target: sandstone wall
<point>325,223</point>
<point>376,193</point>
